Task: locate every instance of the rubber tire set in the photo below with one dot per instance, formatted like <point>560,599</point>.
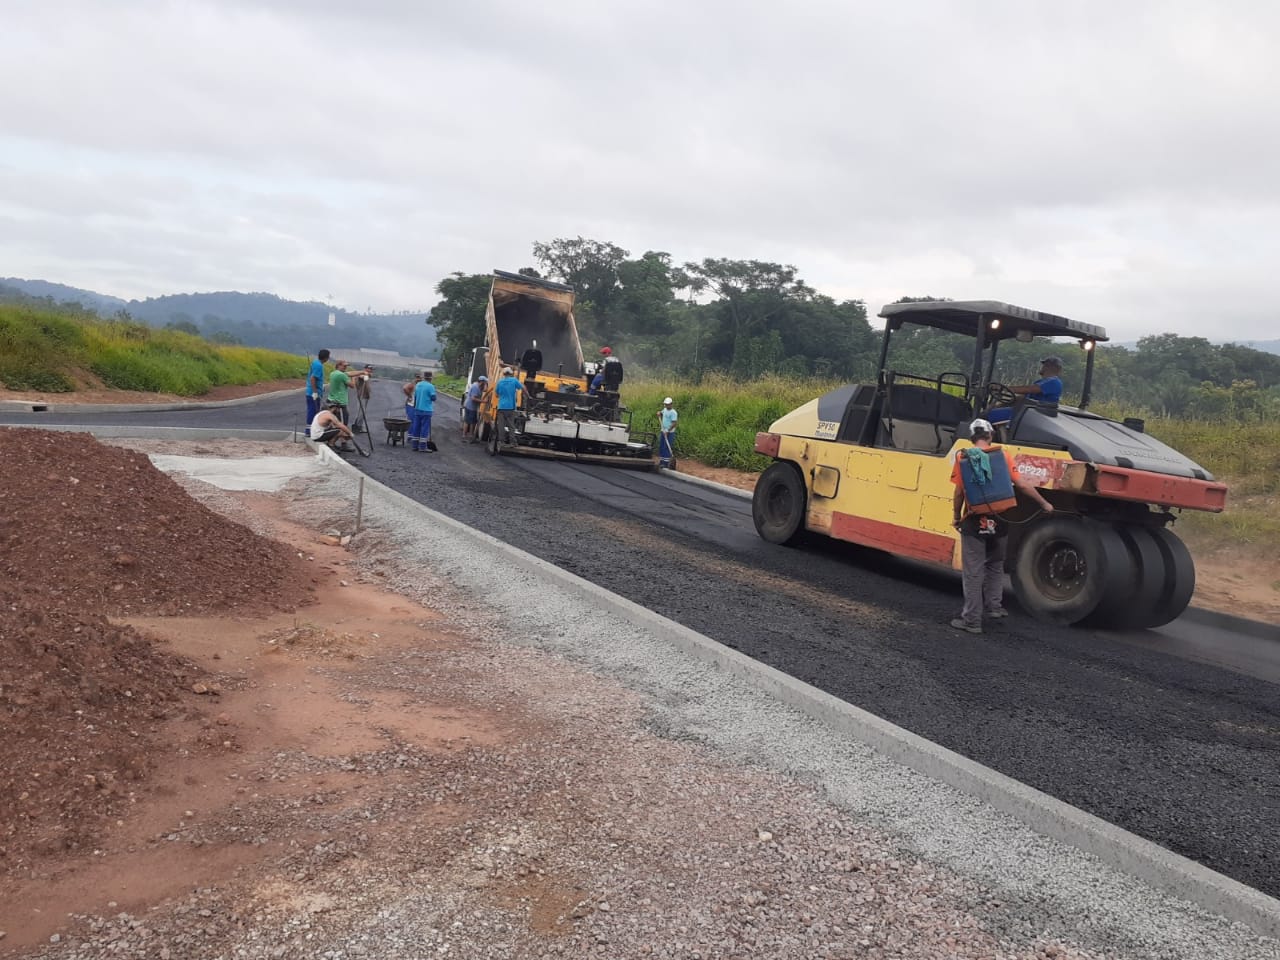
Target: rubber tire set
<point>1076,570</point>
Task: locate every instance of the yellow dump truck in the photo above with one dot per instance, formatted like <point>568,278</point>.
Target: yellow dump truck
<point>530,330</point>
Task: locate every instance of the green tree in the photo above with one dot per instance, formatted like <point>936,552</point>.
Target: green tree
<point>645,295</point>
<point>184,324</point>
<point>591,268</point>
<point>459,317</point>
<point>752,295</point>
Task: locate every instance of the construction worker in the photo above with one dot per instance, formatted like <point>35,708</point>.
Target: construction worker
<point>985,481</point>
<point>424,402</point>
<point>667,418</point>
<point>508,390</point>
<point>328,429</point>
<point>315,385</point>
<point>471,408</point>
<point>1048,389</point>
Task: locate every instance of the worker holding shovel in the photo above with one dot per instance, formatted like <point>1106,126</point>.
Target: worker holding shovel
<point>667,417</point>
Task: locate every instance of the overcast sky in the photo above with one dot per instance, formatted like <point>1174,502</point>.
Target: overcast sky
<point>1117,162</point>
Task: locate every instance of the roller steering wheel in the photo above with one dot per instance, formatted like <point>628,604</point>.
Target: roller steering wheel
<point>998,393</point>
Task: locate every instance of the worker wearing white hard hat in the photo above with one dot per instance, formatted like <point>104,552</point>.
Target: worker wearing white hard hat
<point>668,418</point>
<point>986,485</point>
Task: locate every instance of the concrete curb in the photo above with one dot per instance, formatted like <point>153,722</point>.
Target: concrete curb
<point>1228,621</point>
<point>25,406</point>
<point>1168,872</point>
<point>699,481</point>
<point>160,433</point>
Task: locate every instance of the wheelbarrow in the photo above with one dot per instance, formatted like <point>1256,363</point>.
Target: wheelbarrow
<point>396,427</point>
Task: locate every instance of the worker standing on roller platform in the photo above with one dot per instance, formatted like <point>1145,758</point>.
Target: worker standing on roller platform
<point>985,480</point>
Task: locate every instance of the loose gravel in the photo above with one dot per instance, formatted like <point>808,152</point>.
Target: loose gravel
<point>1024,885</point>
<point>655,808</point>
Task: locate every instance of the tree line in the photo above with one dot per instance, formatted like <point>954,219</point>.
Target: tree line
<point>747,318</point>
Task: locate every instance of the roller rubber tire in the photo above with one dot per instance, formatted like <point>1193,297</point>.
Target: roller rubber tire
<point>1067,567</point>
<point>778,504</point>
<point>1132,601</point>
<point>1179,577</point>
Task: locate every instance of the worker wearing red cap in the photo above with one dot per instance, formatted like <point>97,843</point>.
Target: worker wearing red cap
<point>606,352</point>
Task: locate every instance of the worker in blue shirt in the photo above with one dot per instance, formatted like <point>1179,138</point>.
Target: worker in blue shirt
<point>424,402</point>
<point>315,385</point>
<point>508,390</point>
<point>667,418</point>
<point>1048,389</point>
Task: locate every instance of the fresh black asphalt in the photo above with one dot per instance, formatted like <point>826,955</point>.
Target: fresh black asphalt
<point>1181,752</point>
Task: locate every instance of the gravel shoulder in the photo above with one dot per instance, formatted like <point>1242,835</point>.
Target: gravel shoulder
<point>443,756</point>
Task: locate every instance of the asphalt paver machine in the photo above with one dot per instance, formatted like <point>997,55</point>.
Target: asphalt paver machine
<point>530,328</point>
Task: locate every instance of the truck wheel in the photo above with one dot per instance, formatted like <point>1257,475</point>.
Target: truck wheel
<point>1179,577</point>
<point>778,505</point>
<point>1066,567</point>
<point>1132,601</point>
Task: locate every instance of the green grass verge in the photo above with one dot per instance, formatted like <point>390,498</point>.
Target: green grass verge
<point>720,416</point>
<point>43,350</point>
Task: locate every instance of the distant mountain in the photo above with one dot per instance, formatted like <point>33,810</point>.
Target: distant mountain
<point>256,319</point>
<point>1266,346</point>
<point>61,293</point>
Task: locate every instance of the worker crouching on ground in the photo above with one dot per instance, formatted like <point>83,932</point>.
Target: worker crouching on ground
<point>985,480</point>
<point>326,428</point>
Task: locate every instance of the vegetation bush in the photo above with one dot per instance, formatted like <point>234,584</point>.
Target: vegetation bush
<point>720,416</point>
<point>29,340</point>
<point>41,350</point>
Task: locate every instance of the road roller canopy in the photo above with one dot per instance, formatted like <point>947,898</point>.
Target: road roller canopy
<point>999,321</point>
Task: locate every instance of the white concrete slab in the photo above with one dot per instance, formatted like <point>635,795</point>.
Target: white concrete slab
<point>250,473</point>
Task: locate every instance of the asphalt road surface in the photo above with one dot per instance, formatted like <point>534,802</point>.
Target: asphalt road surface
<point>1173,735</point>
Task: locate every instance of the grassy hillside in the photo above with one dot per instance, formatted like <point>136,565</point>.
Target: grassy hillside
<point>46,351</point>
<point>255,319</point>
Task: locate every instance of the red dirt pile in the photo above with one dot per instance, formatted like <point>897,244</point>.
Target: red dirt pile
<point>88,531</point>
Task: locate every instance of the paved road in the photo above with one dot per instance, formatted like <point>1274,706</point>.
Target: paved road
<point>1173,735</point>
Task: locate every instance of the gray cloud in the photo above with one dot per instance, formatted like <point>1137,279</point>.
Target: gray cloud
<point>1108,161</point>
